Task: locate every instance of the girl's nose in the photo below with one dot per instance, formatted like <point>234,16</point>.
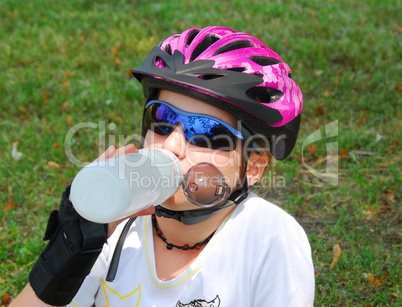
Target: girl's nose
<point>176,142</point>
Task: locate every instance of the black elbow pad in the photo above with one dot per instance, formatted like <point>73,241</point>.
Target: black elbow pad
<point>74,245</point>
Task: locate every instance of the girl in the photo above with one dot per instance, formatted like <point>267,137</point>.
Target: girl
<point>215,96</point>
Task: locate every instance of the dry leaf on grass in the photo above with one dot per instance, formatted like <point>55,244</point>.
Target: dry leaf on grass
<point>320,110</point>
<point>69,120</point>
<point>390,195</point>
<point>10,205</point>
<point>343,154</point>
<point>336,251</point>
<point>6,299</point>
<point>312,148</point>
<point>329,93</point>
<point>53,164</point>
<point>376,281</point>
<point>15,153</point>
<point>65,86</point>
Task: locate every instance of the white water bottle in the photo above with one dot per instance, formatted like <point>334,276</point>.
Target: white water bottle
<point>109,190</point>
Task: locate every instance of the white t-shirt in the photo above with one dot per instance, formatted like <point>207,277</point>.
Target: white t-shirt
<point>259,256</point>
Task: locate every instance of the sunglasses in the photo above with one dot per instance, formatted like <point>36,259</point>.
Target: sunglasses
<point>199,130</point>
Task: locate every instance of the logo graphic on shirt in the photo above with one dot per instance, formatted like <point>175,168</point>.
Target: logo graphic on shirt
<point>201,303</point>
<point>130,299</point>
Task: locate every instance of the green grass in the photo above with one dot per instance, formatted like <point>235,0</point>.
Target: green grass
<point>64,63</point>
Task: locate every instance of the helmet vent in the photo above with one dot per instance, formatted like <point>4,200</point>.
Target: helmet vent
<point>264,94</point>
<point>191,36</point>
<point>264,61</point>
<point>238,69</point>
<point>168,49</point>
<point>207,41</point>
<point>234,46</point>
<point>160,62</point>
<point>209,77</point>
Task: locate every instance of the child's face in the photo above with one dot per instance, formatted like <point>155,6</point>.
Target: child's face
<point>230,163</point>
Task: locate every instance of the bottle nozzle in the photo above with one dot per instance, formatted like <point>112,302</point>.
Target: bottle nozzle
<point>205,186</point>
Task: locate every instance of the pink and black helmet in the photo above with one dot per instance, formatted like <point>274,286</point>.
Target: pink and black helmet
<point>232,71</point>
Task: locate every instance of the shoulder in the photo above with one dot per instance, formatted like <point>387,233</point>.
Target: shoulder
<point>260,211</point>
<point>269,223</point>
<point>278,247</point>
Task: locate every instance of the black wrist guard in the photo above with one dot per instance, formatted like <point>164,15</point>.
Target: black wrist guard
<point>75,244</point>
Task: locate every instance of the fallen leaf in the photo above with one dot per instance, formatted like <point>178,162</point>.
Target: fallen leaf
<point>320,110</point>
<point>65,86</point>
<point>398,87</point>
<point>23,61</point>
<point>321,160</point>
<point>69,120</point>
<point>394,146</point>
<point>399,28</point>
<point>286,41</point>
<point>23,109</point>
<point>312,149</point>
<point>15,153</point>
<point>64,106</point>
<point>329,93</point>
<point>318,72</point>
<point>56,145</point>
<point>336,251</point>
<point>45,96</point>
<point>114,117</point>
<point>9,206</point>
<point>53,164</point>
<point>317,124</point>
<point>374,281</point>
<point>384,209</point>
<point>363,119</point>
<point>128,72</point>
<point>116,62</point>
<point>337,81</point>
<point>343,153</point>
<point>370,213</point>
<point>389,194</point>
<point>322,289</point>
<point>379,137</point>
<point>6,299</point>
<point>115,52</point>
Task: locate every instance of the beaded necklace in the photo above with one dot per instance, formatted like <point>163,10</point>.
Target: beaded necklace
<point>184,247</point>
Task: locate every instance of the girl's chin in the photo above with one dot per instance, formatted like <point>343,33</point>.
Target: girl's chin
<point>178,203</point>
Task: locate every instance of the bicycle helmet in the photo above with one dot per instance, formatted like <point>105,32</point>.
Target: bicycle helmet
<point>233,71</point>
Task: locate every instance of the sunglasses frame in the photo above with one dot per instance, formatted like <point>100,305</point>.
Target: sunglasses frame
<point>236,133</point>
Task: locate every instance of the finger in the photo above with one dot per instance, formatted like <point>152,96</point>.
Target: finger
<point>130,148</point>
<point>107,154</point>
<point>110,152</point>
